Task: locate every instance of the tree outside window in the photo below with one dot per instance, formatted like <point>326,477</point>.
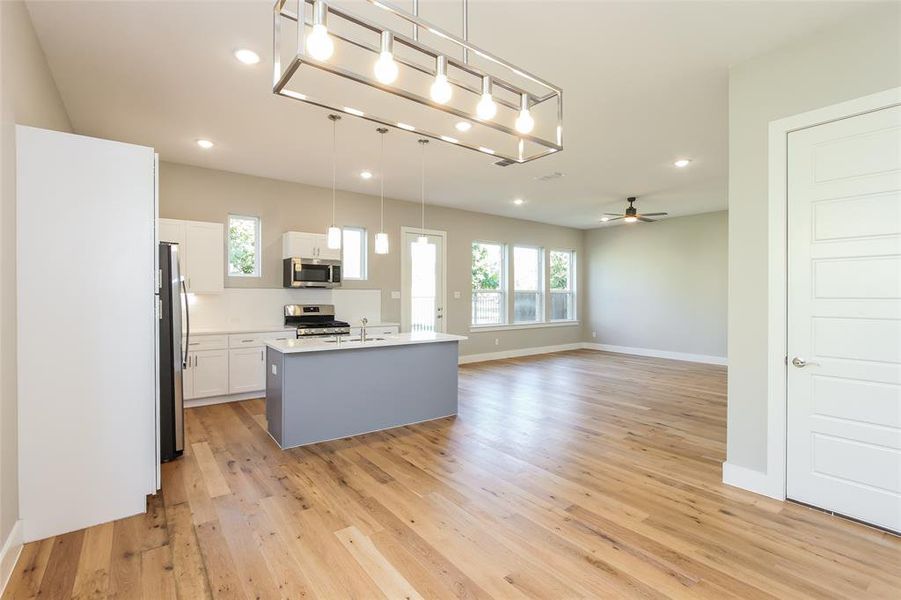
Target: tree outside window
<point>243,246</point>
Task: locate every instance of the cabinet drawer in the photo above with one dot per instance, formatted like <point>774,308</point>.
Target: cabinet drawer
<point>251,340</point>
<point>207,342</point>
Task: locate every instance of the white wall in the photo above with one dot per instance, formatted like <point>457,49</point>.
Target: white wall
<point>859,57</point>
<point>659,286</point>
<point>28,96</point>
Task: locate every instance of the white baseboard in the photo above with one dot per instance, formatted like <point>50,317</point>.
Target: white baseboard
<point>698,358</point>
<point>749,479</point>
<point>9,555</point>
<point>223,399</point>
<point>473,358</point>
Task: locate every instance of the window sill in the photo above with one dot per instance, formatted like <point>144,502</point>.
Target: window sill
<point>477,328</point>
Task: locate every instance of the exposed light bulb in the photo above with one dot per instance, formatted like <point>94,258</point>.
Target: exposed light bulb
<point>524,122</point>
<point>630,219</point>
<point>486,108</point>
<point>319,44</point>
<point>381,243</point>
<point>441,90</point>
<point>386,68</point>
<point>333,240</point>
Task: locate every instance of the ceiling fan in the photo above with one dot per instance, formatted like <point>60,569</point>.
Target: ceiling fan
<point>631,215</point>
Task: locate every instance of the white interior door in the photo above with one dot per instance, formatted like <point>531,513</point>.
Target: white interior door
<point>422,278</point>
<point>844,317</point>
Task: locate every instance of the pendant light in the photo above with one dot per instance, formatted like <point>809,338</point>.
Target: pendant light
<point>486,108</point>
<point>333,238</point>
<point>423,238</point>
<point>524,122</point>
<point>319,44</point>
<point>381,238</point>
<point>386,68</point>
<point>441,90</point>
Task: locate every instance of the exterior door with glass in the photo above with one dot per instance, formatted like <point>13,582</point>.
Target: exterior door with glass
<point>422,278</point>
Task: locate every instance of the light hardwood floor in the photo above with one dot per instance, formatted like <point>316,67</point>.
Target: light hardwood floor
<point>574,475</point>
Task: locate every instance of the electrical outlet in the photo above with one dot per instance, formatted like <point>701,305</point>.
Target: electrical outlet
<point>594,334</point>
<point>456,295</point>
<point>274,370</point>
<point>395,295</point>
<point>497,342</point>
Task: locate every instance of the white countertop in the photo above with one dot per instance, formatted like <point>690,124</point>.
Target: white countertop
<point>266,329</point>
<point>397,339</point>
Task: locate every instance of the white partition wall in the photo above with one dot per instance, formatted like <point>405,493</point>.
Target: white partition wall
<point>86,322</point>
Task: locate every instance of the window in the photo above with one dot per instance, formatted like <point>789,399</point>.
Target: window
<point>528,285</point>
<point>488,298</point>
<point>243,246</point>
<point>562,285</point>
<point>353,260</point>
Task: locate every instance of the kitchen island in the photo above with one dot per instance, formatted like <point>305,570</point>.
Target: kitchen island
<point>330,388</point>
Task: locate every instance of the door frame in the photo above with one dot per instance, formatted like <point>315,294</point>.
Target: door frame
<point>772,483</point>
<point>404,230</point>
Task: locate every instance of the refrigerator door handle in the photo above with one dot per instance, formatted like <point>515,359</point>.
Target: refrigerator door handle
<point>187,325</point>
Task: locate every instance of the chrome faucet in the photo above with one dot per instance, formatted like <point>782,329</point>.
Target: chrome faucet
<point>364,321</point>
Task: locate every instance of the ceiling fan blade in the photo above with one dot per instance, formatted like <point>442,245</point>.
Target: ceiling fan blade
<point>653,214</point>
<point>647,220</point>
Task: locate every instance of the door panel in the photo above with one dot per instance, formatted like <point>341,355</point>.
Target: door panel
<point>423,283</point>
<point>210,373</point>
<point>844,315</point>
<point>205,258</point>
<point>246,370</point>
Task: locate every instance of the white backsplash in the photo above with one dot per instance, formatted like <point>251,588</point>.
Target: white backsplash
<point>246,308</point>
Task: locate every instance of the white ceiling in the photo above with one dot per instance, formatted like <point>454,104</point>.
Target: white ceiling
<point>644,83</point>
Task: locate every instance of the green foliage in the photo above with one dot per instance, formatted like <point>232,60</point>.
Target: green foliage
<point>485,271</point>
<point>241,246</point>
<point>560,270</point>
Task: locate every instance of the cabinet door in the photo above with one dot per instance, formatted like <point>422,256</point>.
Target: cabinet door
<point>296,244</point>
<point>246,370</point>
<point>187,378</point>
<point>210,372</point>
<point>324,251</point>
<point>205,270</point>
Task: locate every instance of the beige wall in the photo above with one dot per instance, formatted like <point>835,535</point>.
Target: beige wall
<point>207,195</point>
<point>659,286</point>
<point>859,57</point>
<point>28,96</point>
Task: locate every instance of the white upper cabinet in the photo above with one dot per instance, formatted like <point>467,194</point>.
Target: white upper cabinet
<point>202,247</point>
<point>307,245</point>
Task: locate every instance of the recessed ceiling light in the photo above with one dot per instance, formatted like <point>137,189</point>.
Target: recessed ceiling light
<point>366,174</point>
<point>205,144</point>
<point>248,57</point>
<point>681,163</point>
<point>605,219</point>
<point>518,201</point>
<point>463,126</point>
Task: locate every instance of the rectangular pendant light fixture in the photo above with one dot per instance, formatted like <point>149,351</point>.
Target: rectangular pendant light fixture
<point>329,57</point>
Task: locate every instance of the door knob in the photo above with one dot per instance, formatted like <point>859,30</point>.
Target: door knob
<point>799,362</point>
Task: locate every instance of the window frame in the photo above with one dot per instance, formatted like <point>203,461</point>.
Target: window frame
<point>571,290</point>
<point>257,249</point>
<point>540,310</point>
<point>501,291</point>
<point>364,253</point>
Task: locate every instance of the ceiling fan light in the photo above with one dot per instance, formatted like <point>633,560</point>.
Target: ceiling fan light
<point>630,219</point>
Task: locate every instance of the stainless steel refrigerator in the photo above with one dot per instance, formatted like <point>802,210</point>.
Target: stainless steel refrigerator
<point>173,350</point>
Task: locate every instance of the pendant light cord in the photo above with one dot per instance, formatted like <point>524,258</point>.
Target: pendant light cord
<point>382,183</point>
<point>334,159</point>
<point>422,144</point>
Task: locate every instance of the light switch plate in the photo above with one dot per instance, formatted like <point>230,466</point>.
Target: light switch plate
<point>456,295</point>
<point>395,295</point>
<point>274,370</point>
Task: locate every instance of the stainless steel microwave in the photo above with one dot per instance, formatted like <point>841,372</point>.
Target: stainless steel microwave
<point>311,273</point>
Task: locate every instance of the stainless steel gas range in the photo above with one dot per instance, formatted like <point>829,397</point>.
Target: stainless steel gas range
<point>314,320</point>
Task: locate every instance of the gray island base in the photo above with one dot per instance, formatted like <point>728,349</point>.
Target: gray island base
<point>320,390</point>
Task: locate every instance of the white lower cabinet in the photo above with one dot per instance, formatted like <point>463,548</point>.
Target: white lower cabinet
<point>246,370</point>
<point>207,374</point>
